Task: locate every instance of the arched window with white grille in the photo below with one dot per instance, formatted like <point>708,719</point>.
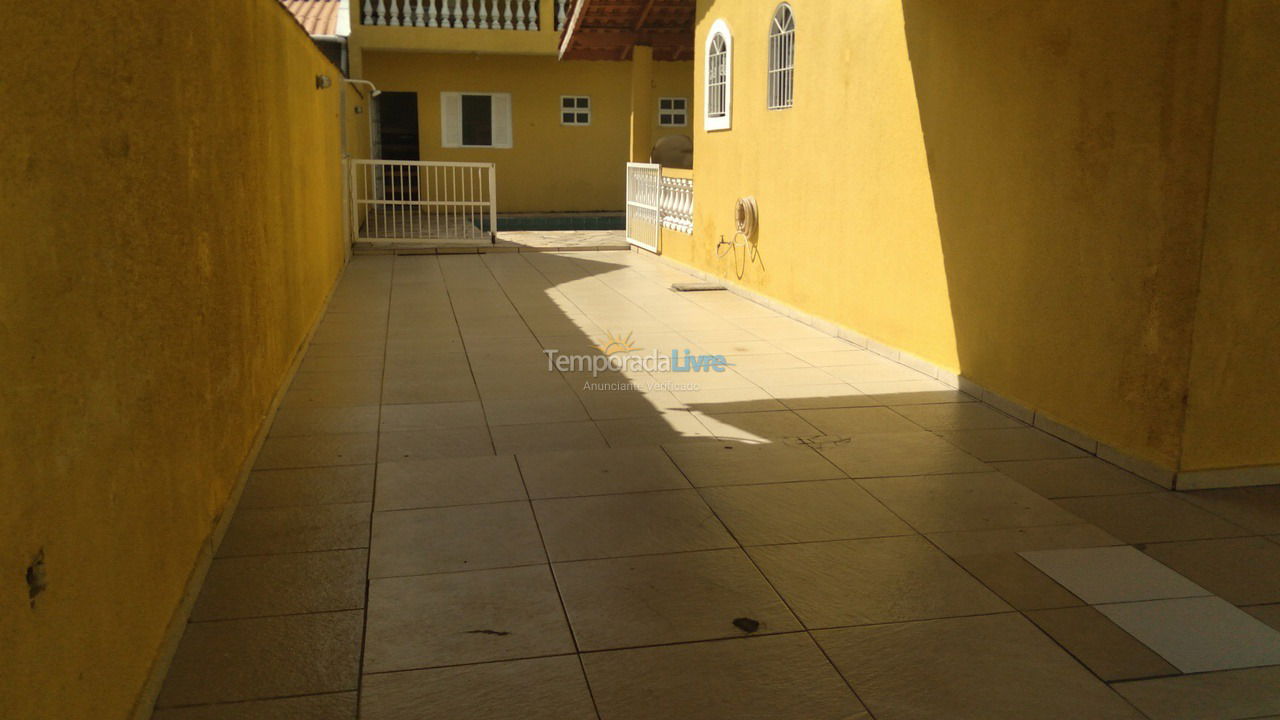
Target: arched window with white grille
<point>718,107</point>
<point>782,58</point>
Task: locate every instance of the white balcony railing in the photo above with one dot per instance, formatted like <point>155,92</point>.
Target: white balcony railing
<point>464,14</point>
<point>677,204</point>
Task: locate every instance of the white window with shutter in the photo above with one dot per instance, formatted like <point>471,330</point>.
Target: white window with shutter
<point>718,83</point>
<point>475,120</point>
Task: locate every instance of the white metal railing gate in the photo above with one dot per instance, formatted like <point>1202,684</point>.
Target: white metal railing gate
<point>419,200</point>
<point>644,199</point>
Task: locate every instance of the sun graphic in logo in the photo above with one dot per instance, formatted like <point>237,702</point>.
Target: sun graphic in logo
<point>615,344</point>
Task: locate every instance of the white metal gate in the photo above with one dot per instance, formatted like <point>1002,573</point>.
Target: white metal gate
<point>419,200</point>
<point>644,198</point>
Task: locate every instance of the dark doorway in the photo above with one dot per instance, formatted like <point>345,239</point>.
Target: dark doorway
<point>398,125</point>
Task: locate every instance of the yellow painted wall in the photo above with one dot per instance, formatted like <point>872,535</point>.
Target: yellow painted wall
<point>550,167</point>
<point>169,230</point>
<point>1233,410</point>
<point>1012,190</point>
<point>357,121</point>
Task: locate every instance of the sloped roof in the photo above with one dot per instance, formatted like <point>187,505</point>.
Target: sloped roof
<point>608,29</point>
<point>317,17</point>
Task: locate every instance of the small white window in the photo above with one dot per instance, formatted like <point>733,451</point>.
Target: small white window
<point>575,110</point>
<point>782,58</point>
<point>475,120</point>
<point>673,112</point>
<point>719,79</point>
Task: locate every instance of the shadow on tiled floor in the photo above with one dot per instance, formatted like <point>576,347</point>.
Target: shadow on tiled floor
<point>441,527</point>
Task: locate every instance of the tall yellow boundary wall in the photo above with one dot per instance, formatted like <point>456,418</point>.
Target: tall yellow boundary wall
<point>171,219</point>
<point>1050,199</point>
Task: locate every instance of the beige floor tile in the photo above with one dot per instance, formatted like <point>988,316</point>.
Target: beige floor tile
<point>430,444</point>
<point>427,621</point>
<point>441,482</point>
<point>309,486</point>
<point>355,363</point>
<point>957,416</point>
<point>660,599</point>
<point>1017,581</point>
<point>332,706</point>
<point>858,421</point>
<point>1023,443</point>
<point>317,451</point>
<point>801,512</point>
<point>510,439</point>
<point>333,330</point>
<point>733,348</point>
<point>568,473</point>
<point>334,393</point>
<point>1200,634</point>
<point>820,345</point>
<point>1074,477</point>
<point>836,358</point>
<point>1269,614</point>
<point>895,393</point>
<point>857,582</point>
<point>786,377</point>
<point>464,537</point>
<point>621,404</point>
<point>768,361</point>
<point>406,366</point>
<point>670,427</point>
<point>436,387</point>
<point>262,658</point>
<point>898,454</point>
<point>1150,517</point>
<point>269,531</point>
<point>1209,696</point>
<point>1110,652</point>
<point>727,400</point>
<point>1255,508</point>
<point>297,421</point>
<point>781,329</point>
<point>242,587</point>
<point>999,666</point>
<point>873,372</point>
<point>635,524</point>
<point>974,542</point>
<point>540,689</point>
<point>431,416</point>
<point>753,426</point>
<point>561,407</point>
<point>971,501</point>
<point>1242,571</point>
<point>727,463</point>
<point>779,676</point>
<point>1117,574</point>
<point>368,379</point>
<point>812,397</point>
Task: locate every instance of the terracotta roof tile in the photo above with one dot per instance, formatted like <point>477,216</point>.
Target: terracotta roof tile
<point>318,17</point>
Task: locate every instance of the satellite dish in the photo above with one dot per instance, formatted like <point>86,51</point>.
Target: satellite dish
<point>673,151</point>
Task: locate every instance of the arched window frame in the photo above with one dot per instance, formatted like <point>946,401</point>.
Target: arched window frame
<point>780,92</point>
<point>721,119</point>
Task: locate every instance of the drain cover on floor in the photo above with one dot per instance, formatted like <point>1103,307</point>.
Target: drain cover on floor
<point>696,286</point>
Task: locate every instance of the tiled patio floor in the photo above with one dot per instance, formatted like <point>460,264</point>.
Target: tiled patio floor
<point>440,527</point>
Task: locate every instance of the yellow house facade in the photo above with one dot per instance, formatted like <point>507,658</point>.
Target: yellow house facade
<point>556,131</point>
<point>1049,205</point>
